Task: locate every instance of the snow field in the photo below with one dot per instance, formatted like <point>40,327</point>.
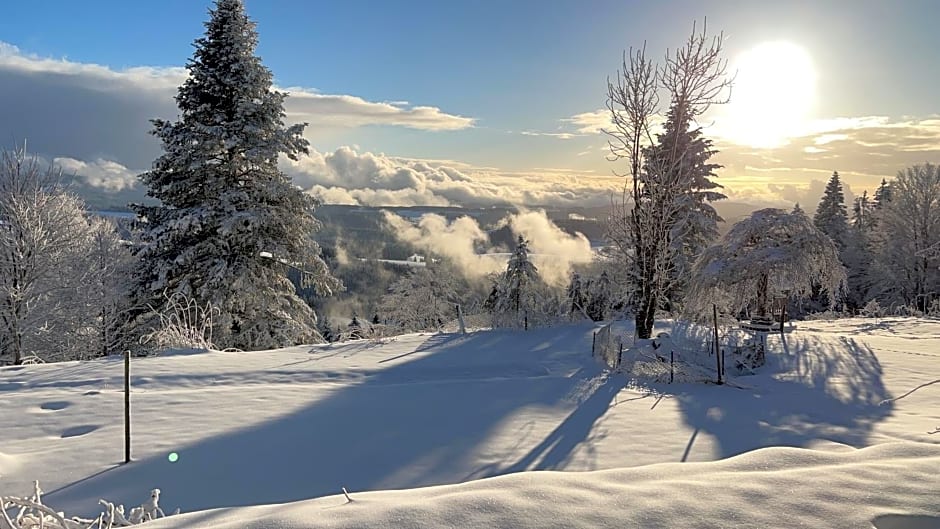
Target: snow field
<point>807,442</point>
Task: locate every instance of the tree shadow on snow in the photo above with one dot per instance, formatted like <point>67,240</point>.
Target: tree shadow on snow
<point>810,389</point>
<point>413,423</point>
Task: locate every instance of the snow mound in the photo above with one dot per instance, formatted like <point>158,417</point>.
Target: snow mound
<point>772,487</point>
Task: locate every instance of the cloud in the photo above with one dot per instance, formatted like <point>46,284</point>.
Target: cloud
<point>456,240</point>
<point>464,242</point>
<point>557,250</point>
<point>559,135</point>
<point>347,176</point>
<point>864,150</point>
<point>88,111</point>
<point>594,122</point>
<point>351,111</point>
<point>105,174</point>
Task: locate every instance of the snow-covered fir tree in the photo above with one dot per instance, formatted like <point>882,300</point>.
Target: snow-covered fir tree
<point>517,294</point>
<point>862,212</point>
<point>599,297</point>
<point>882,194</point>
<point>230,223</point>
<point>694,222</point>
<point>325,327</point>
<point>663,217</point>
<point>575,296</point>
<point>831,217</point>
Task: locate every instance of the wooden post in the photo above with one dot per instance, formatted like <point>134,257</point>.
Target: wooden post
<point>717,352</point>
<point>594,343</point>
<point>127,407</point>
<point>620,355</point>
<point>463,327</point>
<point>783,313</point>
<point>672,365</point>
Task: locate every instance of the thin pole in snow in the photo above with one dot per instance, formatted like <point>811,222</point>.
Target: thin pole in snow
<point>127,407</point>
<point>717,352</point>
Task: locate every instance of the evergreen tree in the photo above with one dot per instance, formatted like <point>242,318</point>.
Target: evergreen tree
<point>882,194</point>
<point>599,297</point>
<point>229,222</point>
<point>680,160</point>
<point>515,295</point>
<point>831,217</point>
<point>521,276</point>
<point>861,212</point>
<point>326,329</point>
<point>577,300</point>
<point>797,210</point>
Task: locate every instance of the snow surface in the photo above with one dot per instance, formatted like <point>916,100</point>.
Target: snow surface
<point>805,443</point>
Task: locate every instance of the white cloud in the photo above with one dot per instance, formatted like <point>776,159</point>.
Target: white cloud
<point>88,111</point>
<point>553,250</point>
<point>559,250</point>
<point>594,122</point>
<point>456,240</point>
<point>105,174</point>
<point>351,111</point>
<point>346,176</point>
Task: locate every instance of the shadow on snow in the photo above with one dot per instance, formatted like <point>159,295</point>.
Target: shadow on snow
<point>415,423</point>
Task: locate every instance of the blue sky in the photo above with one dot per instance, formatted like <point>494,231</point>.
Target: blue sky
<point>512,68</point>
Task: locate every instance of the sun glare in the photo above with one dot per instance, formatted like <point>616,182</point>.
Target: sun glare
<point>773,94</point>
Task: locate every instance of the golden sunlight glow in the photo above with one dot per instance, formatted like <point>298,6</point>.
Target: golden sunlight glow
<point>773,95</point>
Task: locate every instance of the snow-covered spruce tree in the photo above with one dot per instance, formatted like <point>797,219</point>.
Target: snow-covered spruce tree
<point>230,222</point>
<point>882,194</point>
<point>857,254</point>
<point>519,290</point>
<point>664,197</point>
<point>681,157</point>
<point>599,296</point>
<point>906,267</point>
<point>770,252</point>
<point>831,217</point>
<point>576,297</point>
<point>45,270</point>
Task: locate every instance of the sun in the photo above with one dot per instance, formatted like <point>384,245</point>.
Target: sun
<point>773,94</point>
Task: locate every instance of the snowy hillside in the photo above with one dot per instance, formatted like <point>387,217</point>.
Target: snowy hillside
<point>805,443</point>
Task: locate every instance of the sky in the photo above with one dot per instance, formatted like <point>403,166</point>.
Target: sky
<point>485,102</point>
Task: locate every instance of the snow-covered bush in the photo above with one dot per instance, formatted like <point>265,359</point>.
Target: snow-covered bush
<point>183,324</point>
<point>29,512</point>
<point>873,309</point>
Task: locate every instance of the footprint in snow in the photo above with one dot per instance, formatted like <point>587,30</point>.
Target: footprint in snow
<point>77,431</point>
<point>55,405</point>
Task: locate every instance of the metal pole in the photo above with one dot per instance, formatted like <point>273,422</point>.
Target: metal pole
<point>127,407</point>
<point>717,352</point>
<point>672,365</point>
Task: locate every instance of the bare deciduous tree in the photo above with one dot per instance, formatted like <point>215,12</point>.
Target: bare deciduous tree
<point>44,238</point>
<point>651,214</point>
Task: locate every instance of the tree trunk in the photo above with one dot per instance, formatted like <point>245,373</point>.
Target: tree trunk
<point>646,304</point>
<point>762,286</point>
